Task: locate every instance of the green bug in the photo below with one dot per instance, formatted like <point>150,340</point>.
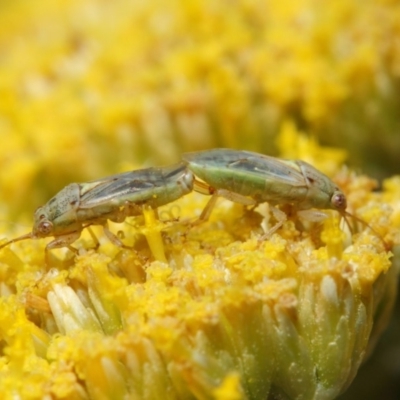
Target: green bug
<point>114,198</point>
<point>250,178</point>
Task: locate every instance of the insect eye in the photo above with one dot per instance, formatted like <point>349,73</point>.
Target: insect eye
<point>45,227</point>
<point>339,201</point>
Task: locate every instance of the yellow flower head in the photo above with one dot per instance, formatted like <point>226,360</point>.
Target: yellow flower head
<point>204,310</point>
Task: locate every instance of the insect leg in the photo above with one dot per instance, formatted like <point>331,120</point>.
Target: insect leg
<point>64,241</point>
<point>94,238</point>
<point>203,188</point>
<point>205,214</point>
<point>280,216</point>
<point>117,242</point>
<point>114,238</point>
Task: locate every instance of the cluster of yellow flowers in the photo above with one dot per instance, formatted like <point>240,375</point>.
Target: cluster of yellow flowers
<point>221,315</point>
<point>90,88</point>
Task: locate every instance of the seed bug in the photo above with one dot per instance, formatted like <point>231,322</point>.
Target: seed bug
<point>250,179</point>
<point>114,198</point>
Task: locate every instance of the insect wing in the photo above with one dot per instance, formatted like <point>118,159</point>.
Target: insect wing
<point>245,163</point>
<point>260,177</point>
<point>117,189</point>
<point>152,186</point>
<point>269,168</point>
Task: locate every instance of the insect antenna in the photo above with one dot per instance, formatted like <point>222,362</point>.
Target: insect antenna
<point>17,239</point>
<point>346,214</point>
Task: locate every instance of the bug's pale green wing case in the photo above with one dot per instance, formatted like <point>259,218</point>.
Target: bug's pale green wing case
<point>156,186</point>
<point>270,168</point>
<point>271,179</point>
<point>250,174</point>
